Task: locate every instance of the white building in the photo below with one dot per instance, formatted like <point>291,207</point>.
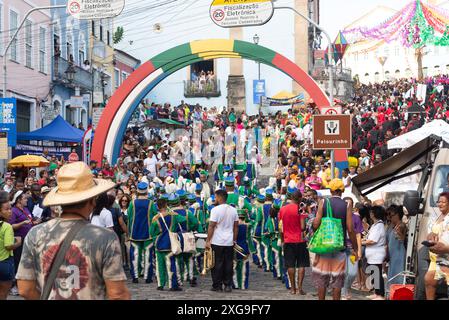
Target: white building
<point>365,58</point>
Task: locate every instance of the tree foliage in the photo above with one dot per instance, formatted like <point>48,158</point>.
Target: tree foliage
<point>118,35</point>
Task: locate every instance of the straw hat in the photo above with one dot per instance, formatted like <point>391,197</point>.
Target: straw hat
<point>76,184</point>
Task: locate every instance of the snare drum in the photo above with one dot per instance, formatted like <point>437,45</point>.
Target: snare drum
<point>201,240</point>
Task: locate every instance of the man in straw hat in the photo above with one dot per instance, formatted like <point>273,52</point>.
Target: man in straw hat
<point>67,257</point>
<point>140,213</point>
<point>329,269</point>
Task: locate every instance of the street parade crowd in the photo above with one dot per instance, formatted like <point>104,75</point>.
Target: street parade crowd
<point>168,207</point>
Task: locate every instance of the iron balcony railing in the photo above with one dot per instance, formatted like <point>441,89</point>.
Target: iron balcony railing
<point>208,89</point>
<point>322,73</point>
<point>82,78</point>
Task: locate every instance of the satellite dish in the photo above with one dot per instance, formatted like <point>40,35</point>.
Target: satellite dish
<point>157,28</point>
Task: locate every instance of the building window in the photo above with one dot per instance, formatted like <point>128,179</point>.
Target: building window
<point>69,46</point>
<point>93,28</point>
<point>13,24</point>
<point>101,30</point>
<point>42,50</point>
<point>356,56</point>
<point>387,75</point>
<point>398,74</point>
<point>124,76</point>
<point>376,77</point>
<point>109,37</point>
<point>425,71</point>
<point>56,40</point>
<point>81,49</point>
<point>116,78</point>
<point>28,43</point>
<point>437,70</point>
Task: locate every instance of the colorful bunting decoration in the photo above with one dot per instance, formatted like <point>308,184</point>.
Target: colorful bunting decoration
<point>416,25</point>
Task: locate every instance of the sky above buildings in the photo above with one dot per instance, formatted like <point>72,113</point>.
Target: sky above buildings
<point>139,18</point>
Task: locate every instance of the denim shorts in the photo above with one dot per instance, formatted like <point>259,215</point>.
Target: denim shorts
<point>7,269</point>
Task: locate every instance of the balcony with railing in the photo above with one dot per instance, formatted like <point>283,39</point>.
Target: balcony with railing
<point>208,89</point>
<point>322,73</point>
<point>63,72</point>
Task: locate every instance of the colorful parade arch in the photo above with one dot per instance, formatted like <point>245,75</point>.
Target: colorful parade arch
<point>115,117</point>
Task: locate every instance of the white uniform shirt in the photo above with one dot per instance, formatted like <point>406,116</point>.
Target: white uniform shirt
<point>225,216</point>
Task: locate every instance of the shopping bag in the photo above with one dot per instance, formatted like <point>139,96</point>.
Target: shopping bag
<point>189,242</point>
<point>175,241</point>
<point>329,236</point>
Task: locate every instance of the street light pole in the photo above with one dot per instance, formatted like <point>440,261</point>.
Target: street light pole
<point>256,39</point>
<point>330,69</point>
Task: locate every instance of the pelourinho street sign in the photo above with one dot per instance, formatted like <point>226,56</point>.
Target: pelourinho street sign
<point>95,9</point>
<point>241,13</point>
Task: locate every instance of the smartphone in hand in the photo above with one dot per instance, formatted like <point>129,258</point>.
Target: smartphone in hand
<point>428,243</point>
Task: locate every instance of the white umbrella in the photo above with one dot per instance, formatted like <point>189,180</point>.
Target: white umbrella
<point>436,127</point>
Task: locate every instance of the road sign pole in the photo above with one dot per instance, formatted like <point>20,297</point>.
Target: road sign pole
<point>330,69</point>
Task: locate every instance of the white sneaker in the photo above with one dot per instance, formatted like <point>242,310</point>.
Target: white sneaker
<point>14,291</point>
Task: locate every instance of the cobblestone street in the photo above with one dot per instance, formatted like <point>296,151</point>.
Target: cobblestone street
<point>262,287</point>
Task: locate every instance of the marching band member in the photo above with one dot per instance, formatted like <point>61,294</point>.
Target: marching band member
<point>241,261</point>
<point>233,197</point>
<point>167,267</point>
<point>140,213</point>
<point>266,241</point>
<point>186,260</point>
<point>259,258</point>
<point>272,227</point>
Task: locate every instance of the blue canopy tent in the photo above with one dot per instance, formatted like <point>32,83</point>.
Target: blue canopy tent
<point>58,130</point>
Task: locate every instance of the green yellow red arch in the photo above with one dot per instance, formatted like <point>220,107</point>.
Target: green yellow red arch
<point>118,111</point>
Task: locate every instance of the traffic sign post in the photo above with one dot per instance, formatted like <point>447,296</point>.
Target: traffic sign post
<point>332,132</point>
<point>241,13</point>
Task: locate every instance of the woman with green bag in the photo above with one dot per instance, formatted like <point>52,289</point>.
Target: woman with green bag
<point>333,219</point>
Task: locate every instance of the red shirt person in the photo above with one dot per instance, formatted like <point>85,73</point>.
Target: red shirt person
<point>292,219</point>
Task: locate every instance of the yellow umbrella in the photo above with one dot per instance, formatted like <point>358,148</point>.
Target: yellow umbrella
<point>284,95</point>
<point>28,161</point>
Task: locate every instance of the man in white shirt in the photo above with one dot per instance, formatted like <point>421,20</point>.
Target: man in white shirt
<point>150,162</point>
<point>221,236</point>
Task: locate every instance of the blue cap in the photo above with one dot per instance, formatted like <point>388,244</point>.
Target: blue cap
<point>291,190</point>
<point>142,186</point>
<point>198,187</point>
<point>277,204</point>
<point>173,200</point>
<point>181,194</point>
<point>164,196</point>
<point>191,198</point>
<point>229,181</point>
<point>261,198</point>
<point>227,168</point>
<point>269,192</point>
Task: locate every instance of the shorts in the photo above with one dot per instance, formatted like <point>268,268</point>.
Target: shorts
<point>7,270</point>
<point>296,255</point>
<point>329,270</point>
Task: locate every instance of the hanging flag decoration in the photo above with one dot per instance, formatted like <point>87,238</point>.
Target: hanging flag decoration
<point>414,26</point>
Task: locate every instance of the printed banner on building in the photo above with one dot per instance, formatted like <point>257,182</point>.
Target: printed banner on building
<point>270,102</point>
<point>23,149</point>
<point>8,119</point>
